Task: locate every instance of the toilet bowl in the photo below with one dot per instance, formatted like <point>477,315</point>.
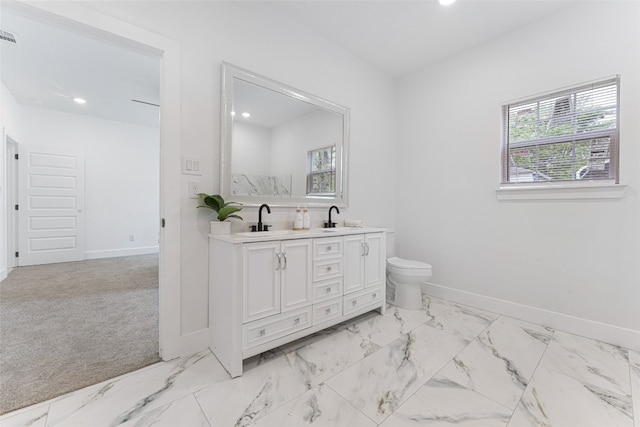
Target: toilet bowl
<point>403,282</point>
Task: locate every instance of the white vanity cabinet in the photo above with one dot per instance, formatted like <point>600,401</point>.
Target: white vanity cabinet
<point>365,261</point>
<point>267,290</point>
<point>276,277</point>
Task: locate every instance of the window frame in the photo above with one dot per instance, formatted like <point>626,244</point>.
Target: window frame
<point>311,173</point>
<point>612,134</point>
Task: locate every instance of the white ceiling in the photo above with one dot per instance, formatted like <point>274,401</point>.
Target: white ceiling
<point>402,36</point>
<point>54,64</point>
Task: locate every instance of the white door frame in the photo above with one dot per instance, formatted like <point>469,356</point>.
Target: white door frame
<point>11,188</point>
<point>87,21</point>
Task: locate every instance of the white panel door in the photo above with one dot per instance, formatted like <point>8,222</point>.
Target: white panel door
<point>51,206</point>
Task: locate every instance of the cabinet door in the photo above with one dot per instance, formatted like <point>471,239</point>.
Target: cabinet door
<point>260,280</point>
<point>353,263</point>
<point>374,260</point>
<point>296,271</point>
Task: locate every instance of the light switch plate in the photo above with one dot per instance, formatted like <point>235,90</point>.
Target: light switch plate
<point>191,165</point>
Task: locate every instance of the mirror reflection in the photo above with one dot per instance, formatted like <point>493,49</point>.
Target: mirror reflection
<point>280,145</point>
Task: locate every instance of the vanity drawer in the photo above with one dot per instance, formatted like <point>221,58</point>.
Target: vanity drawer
<point>327,269</point>
<point>271,328</point>
<point>327,289</point>
<point>328,247</point>
<point>327,310</point>
<point>357,300</point>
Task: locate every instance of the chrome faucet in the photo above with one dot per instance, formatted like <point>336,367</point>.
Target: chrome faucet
<point>330,224</point>
<point>261,226</point>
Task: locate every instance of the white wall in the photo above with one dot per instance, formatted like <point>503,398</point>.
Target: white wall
<point>121,176</point>
<point>578,261</point>
<point>251,151</point>
<point>257,38</point>
<point>9,112</point>
<point>9,127</point>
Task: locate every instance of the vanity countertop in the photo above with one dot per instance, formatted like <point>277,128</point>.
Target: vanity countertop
<point>261,236</point>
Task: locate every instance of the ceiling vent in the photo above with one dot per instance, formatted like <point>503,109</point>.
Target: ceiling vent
<point>9,38</point>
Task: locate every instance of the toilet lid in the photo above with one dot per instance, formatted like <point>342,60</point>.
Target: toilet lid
<point>408,264</point>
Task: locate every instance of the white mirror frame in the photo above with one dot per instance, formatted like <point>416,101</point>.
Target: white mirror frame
<point>231,72</point>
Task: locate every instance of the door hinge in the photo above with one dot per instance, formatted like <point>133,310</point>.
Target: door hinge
<point>17,207</point>
<point>16,157</point>
<point>17,254</point>
<point>162,223</point>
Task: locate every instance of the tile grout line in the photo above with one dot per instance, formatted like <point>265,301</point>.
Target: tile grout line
<point>349,402</point>
<point>444,364</point>
<point>204,414</point>
<point>530,380</point>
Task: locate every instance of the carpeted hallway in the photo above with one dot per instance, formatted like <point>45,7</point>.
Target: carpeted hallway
<point>65,326</point>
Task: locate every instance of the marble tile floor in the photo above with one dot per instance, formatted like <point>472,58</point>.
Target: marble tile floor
<point>444,365</point>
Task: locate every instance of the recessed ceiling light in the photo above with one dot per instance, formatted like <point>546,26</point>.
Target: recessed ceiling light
<point>233,113</point>
<point>80,100</point>
<point>246,115</point>
<point>446,2</point>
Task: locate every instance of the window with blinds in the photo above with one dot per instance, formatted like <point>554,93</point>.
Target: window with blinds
<point>321,171</point>
<point>567,135</point>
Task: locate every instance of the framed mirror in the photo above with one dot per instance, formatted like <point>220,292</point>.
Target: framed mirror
<point>280,145</point>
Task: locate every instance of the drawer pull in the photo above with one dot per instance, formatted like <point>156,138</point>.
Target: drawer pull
<point>329,268</point>
<point>354,302</point>
<point>296,321</point>
<point>328,311</point>
<point>328,248</point>
<point>262,332</point>
<point>328,290</point>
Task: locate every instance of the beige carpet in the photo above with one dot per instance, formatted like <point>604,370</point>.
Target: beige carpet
<point>69,325</point>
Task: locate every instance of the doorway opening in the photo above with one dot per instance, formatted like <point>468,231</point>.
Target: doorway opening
<point>166,265</point>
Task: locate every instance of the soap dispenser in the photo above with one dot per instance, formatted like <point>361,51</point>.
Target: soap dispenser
<point>306,220</point>
<point>298,223</point>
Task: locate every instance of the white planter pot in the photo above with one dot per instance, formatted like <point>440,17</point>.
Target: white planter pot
<point>218,227</point>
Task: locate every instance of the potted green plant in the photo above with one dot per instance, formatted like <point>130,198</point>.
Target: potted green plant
<point>224,211</point>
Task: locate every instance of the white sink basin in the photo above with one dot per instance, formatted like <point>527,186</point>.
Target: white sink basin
<point>332,230</point>
<point>271,233</point>
<point>280,233</point>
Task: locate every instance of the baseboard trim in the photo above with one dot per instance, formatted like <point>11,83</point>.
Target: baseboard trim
<point>3,274</point>
<point>616,335</point>
<point>113,253</point>
<point>193,342</point>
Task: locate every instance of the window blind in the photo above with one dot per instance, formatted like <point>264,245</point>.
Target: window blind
<point>321,175</point>
<point>565,135</point>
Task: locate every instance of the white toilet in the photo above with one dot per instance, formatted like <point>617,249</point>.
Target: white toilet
<point>403,282</point>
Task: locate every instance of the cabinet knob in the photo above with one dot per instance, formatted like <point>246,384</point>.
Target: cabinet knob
<point>328,311</point>
<point>328,248</point>
<point>354,302</point>
<point>328,268</point>
<point>262,332</point>
<point>296,321</point>
<point>374,296</point>
<point>328,290</point>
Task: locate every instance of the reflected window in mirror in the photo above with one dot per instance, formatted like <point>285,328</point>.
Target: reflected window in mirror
<point>321,176</point>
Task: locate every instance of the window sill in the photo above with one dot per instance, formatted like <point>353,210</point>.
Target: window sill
<point>566,191</point>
